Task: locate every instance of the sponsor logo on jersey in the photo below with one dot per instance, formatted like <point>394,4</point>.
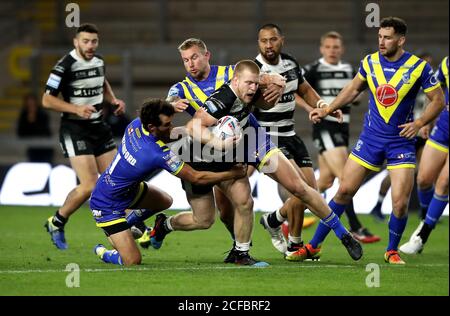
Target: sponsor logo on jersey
<point>434,79</point>
<point>138,132</point>
<point>211,107</point>
<point>54,81</point>
<point>386,95</point>
<point>174,91</point>
<point>59,68</point>
<point>172,161</point>
<point>405,77</point>
<point>88,92</point>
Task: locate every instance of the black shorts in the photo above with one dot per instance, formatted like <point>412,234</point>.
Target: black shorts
<point>194,189</point>
<point>294,148</point>
<point>78,138</point>
<point>116,228</point>
<point>328,135</point>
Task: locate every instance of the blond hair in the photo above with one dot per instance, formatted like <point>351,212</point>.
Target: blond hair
<point>331,34</point>
<point>246,64</point>
<point>191,42</point>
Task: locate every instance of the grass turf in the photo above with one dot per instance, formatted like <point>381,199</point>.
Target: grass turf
<point>190,263</point>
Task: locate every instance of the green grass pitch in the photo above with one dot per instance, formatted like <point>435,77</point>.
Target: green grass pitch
<point>190,263</point>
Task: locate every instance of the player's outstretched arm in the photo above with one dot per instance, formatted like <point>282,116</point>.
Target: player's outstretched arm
<point>191,175</point>
<point>300,102</point>
<point>53,103</point>
<point>309,99</point>
<point>347,95</point>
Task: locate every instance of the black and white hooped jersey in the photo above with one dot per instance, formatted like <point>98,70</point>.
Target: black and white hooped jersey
<point>279,120</point>
<point>225,102</point>
<point>80,82</point>
<point>328,80</point>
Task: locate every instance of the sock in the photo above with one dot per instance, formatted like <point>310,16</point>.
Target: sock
<point>435,209</point>
<point>294,240</point>
<point>396,229</point>
<point>425,197</point>
<point>141,226</point>
<point>294,243</point>
<point>112,256</point>
<point>275,219</point>
<point>423,212</point>
<point>58,220</point>
<point>425,232</point>
<point>242,246</point>
<point>167,224</point>
<point>323,230</point>
<point>335,224</point>
<point>353,220</point>
<point>379,202</point>
<point>138,216</point>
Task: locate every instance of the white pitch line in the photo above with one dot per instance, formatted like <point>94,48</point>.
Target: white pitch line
<point>318,266</point>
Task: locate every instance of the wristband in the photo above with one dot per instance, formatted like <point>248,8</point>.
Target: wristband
<point>321,104</point>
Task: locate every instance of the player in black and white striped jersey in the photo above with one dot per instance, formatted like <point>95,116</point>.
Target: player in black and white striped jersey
<point>84,137</point>
<point>328,76</point>
<point>279,122</point>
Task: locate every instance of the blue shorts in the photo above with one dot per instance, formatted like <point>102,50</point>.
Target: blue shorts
<point>109,210</point>
<point>258,144</point>
<point>439,135</point>
<point>372,150</point>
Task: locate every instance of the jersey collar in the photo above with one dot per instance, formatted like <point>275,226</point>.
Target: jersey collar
<point>322,61</point>
<point>400,61</point>
<point>263,61</point>
<point>212,74</point>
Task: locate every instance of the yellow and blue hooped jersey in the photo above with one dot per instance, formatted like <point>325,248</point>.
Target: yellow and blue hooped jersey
<point>393,89</point>
<point>139,154</point>
<point>198,91</point>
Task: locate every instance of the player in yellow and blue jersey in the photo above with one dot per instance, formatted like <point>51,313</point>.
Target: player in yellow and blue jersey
<point>121,186</point>
<point>189,95</point>
<point>433,170</point>
<point>199,83</point>
<point>393,77</point>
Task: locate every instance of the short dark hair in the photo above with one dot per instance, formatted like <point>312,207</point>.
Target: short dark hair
<point>152,108</point>
<point>87,27</point>
<point>269,26</point>
<point>399,25</point>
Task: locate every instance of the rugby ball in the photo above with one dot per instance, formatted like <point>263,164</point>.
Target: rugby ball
<point>227,126</point>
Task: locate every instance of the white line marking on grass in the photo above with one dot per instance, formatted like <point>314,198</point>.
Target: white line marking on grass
<point>295,266</point>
